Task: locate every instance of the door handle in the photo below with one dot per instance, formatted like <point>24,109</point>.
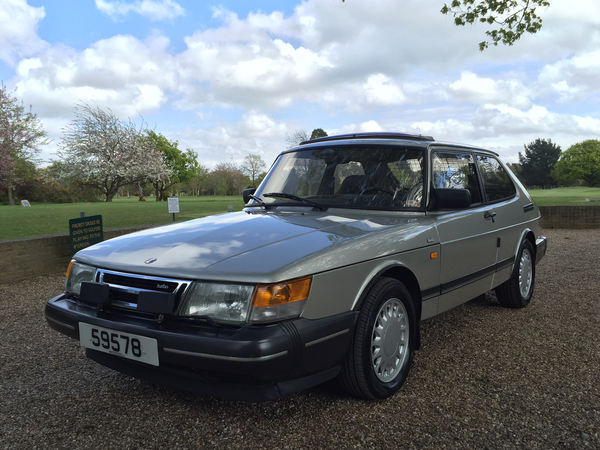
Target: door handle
<point>490,215</point>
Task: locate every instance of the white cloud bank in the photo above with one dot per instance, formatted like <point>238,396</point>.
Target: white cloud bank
<point>344,67</point>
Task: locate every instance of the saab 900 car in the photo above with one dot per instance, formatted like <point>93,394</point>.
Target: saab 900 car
<point>345,247</point>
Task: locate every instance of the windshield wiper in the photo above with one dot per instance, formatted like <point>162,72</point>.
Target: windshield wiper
<point>295,197</point>
<point>257,200</point>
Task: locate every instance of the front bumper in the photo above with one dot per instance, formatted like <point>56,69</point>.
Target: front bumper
<point>252,363</point>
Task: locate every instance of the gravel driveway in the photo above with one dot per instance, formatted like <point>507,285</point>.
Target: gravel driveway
<point>485,377</point>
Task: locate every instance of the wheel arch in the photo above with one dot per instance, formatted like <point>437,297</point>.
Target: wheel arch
<point>530,236</point>
<point>404,275</point>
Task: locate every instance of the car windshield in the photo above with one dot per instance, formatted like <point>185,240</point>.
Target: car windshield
<point>357,176</point>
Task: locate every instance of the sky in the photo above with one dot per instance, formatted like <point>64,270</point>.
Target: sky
<point>231,78</point>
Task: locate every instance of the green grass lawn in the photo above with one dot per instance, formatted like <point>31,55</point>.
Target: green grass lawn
<point>575,196</point>
<point>41,219</point>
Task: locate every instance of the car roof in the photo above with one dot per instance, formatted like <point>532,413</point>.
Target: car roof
<point>418,140</point>
<point>373,135</point>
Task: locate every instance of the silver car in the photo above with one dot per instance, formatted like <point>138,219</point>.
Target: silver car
<point>347,245</point>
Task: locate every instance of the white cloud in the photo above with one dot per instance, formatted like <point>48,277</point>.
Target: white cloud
<point>380,91</point>
<point>123,73</point>
<point>364,127</point>
<point>18,30</point>
<point>151,9</point>
<point>258,71</point>
<point>476,89</point>
<point>254,133</point>
<point>572,79</point>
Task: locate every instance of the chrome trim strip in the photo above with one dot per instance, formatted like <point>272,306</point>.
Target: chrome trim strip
<point>225,358</point>
<point>62,324</point>
<point>140,276</point>
<point>326,338</point>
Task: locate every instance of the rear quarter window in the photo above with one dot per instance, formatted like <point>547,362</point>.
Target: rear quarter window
<point>496,181</point>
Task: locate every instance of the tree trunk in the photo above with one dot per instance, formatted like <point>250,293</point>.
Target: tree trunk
<point>140,192</point>
<point>11,199</point>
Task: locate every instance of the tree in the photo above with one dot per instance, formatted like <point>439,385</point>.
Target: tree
<point>512,18</point>
<point>183,166</point>
<point>253,166</point>
<point>318,133</point>
<point>21,135</point>
<point>298,136</point>
<point>226,179</point>
<point>198,182</point>
<point>99,150</point>
<point>537,163</point>
<point>516,169</point>
<point>580,163</point>
<point>294,139</point>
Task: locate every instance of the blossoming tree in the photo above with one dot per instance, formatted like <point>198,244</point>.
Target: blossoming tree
<point>100,150</point>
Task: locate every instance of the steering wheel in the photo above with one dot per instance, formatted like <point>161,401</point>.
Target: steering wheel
<point>376,189</point>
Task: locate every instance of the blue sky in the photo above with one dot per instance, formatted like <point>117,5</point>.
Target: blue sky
<point>231,78</point>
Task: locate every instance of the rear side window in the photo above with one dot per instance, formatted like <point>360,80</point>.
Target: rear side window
<point>496,182</point>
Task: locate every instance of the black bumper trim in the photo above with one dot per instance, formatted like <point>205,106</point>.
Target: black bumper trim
<point>62,324</point>
<point>226,358</point>
<point>326,338</point>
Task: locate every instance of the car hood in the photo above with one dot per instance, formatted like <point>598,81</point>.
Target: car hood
<point>260,246</point>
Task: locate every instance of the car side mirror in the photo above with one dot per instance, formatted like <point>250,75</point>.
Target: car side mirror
<point>247,193</point>
<point>452,198</point>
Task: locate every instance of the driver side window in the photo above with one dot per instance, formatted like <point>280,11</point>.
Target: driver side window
<point>455,171</point>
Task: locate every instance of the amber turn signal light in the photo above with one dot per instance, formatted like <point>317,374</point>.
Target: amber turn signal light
<point>266,295</point>
<point>69,268</point>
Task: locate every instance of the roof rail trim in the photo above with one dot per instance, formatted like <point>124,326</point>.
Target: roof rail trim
<point>374,135</point>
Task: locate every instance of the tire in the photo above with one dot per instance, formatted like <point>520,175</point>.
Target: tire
<point>517,291</point>
<point>383,346</point>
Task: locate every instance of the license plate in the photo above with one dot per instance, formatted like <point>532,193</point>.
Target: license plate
<point>119,343</point>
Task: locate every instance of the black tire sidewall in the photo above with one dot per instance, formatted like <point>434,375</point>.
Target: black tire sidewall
<point>386,289</point>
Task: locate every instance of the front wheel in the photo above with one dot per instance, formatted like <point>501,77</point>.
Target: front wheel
<point>517,291</point>
<point>384,343</point>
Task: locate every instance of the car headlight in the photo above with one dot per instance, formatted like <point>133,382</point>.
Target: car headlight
<point>220,302</point>
<point>77,273</point>
<point>241,303</point>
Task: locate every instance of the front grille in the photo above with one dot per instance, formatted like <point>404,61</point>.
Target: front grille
<point>125,287</point>
<point>149,284</point>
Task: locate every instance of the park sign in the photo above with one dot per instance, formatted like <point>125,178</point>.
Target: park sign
<point>173,203</point>
<point>85,231</point>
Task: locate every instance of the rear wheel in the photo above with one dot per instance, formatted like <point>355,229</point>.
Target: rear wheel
<point>517,291</point>
<point>384,343</point>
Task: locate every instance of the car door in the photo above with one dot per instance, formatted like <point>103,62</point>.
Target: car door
<point>468,234</point>
<point>500,194</point>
